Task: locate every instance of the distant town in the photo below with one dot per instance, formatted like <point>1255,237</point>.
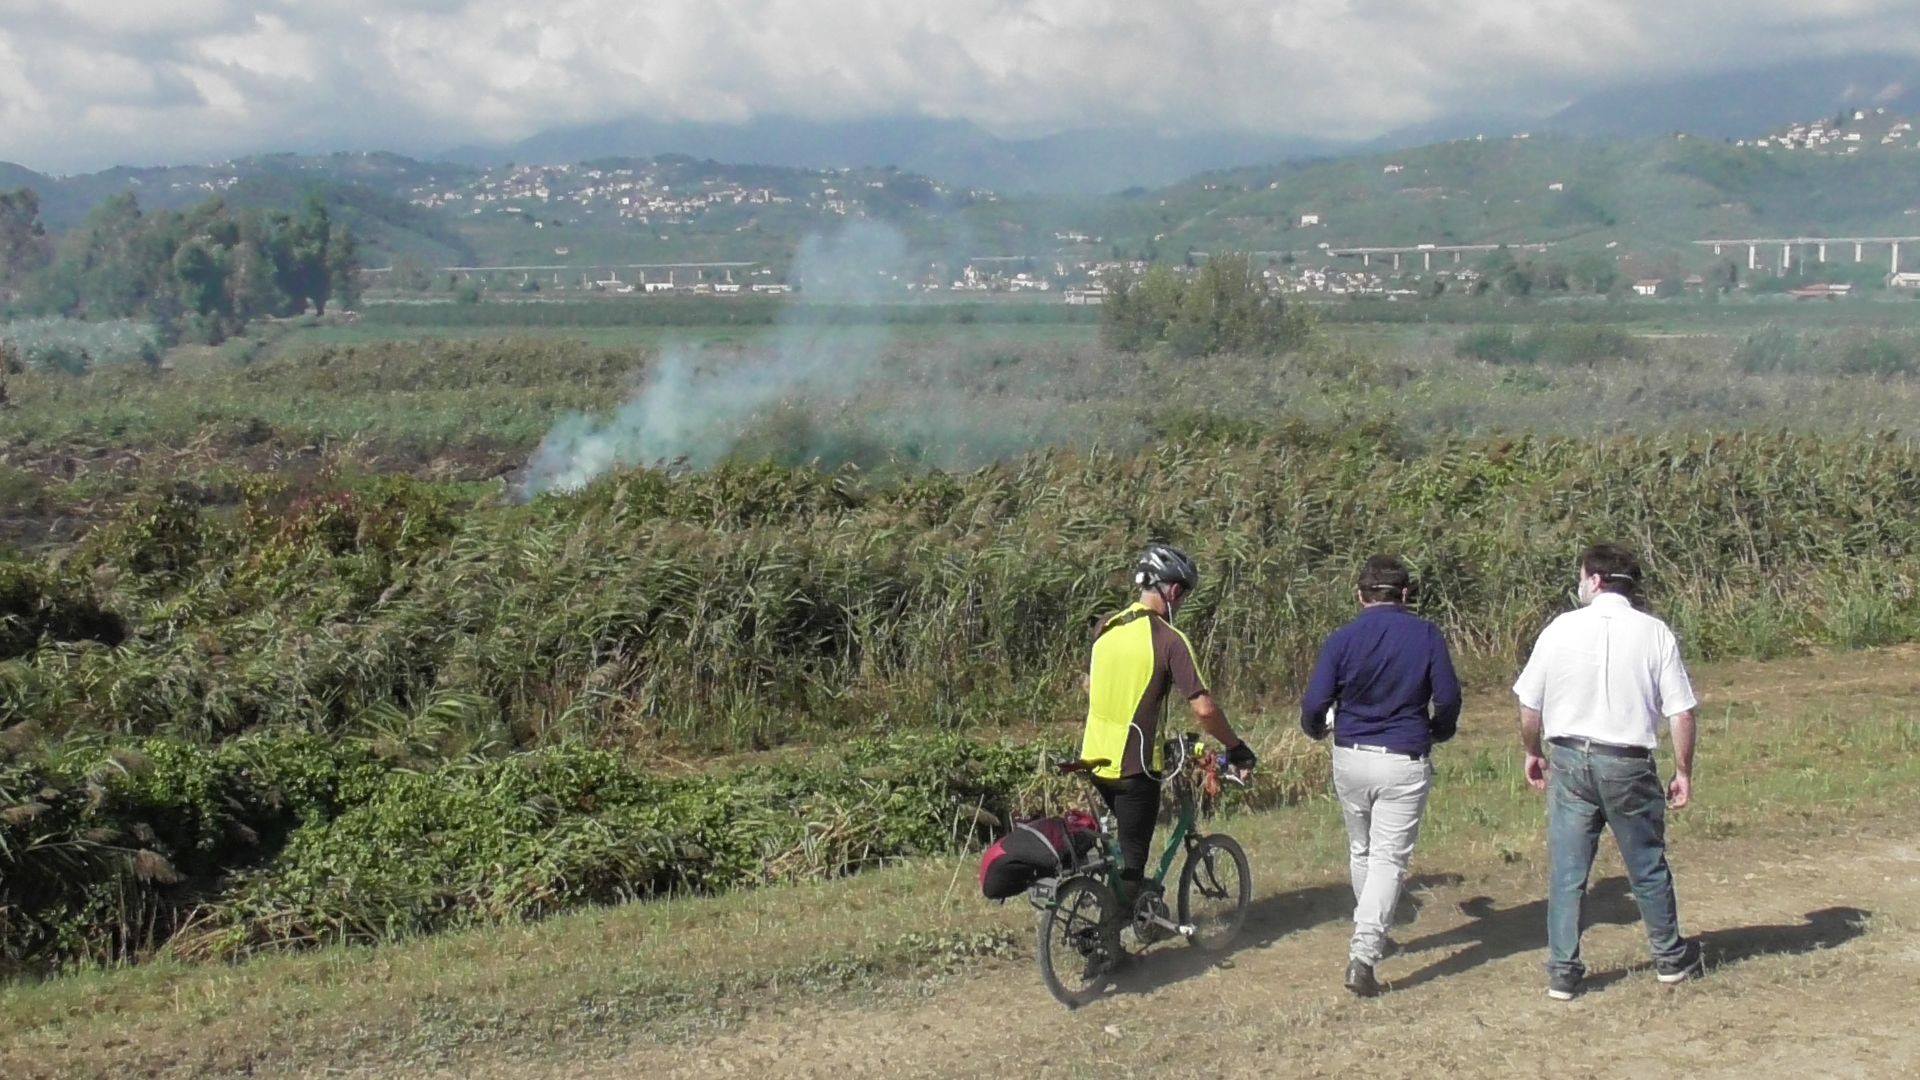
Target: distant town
<point>1401,274</point>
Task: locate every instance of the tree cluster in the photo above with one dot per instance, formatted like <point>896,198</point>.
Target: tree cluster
<point>201,273</point>
<point>1501,272</point>
<point>1224,306</point>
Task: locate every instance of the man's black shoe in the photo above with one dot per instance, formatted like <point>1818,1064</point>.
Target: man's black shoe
<point>1690,964</point>
<point>1360,979</point>
<point>1563,986</point>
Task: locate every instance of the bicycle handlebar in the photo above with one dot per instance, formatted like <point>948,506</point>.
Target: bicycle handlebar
<point>1192,743</point>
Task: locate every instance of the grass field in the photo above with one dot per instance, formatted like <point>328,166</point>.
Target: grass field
<point>470,402</point>
<point>1794,864</point>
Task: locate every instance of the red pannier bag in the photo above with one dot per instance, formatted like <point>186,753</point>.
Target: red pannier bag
<point>1031,850</point>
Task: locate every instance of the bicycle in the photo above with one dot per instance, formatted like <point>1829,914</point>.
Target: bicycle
<point>1082,932</point>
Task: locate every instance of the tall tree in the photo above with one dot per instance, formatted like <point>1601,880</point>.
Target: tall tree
<point>343,266</point>
<point>24,248</point>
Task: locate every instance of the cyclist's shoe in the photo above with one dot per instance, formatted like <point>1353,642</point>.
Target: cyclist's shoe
<point>1360,979</point>
<point>1690,964</point>
<point>1563,985</point>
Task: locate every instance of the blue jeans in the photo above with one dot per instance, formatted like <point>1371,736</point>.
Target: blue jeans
<point>1586,792</point>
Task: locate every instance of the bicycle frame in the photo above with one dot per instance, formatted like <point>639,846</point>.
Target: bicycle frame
<point>1184,833</point>
<point>1085,903</point>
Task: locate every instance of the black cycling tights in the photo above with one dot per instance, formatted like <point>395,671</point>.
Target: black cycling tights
<point>1134,802</point>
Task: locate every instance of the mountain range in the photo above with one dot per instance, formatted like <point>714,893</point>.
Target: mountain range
<point>1732,103</point>
<point>1744,102</point>
<point>1728,103</point>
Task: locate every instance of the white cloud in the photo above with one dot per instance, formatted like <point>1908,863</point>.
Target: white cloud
<point>89,82</point>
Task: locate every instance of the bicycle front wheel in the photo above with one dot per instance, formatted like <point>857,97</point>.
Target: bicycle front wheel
<point>1216,888</point>
<point>1079,940</point>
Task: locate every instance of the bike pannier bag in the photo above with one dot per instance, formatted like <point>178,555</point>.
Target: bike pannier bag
<point>1032,850</point>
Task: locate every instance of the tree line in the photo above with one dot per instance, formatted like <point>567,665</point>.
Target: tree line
<point>199,274</point>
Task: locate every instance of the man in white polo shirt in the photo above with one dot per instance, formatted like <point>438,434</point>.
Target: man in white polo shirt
<point>1601,679</point>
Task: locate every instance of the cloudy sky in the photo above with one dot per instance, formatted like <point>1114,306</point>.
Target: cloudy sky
<point>89,83</point>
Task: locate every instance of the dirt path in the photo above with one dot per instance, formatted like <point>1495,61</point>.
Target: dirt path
<point>1814,946</point>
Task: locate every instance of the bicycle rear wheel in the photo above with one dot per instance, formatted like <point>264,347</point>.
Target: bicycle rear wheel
<point>1079,940</point>
<point>1216,887</point>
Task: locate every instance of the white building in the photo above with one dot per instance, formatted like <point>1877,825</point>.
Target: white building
<point>1309,219</point>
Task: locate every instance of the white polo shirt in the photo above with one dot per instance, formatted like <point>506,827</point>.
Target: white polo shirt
<point>1607,672</point>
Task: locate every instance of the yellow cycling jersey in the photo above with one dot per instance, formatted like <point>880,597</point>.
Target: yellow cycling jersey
<point>1138,659</point>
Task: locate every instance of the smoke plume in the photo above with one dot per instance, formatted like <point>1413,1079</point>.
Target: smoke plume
<point>692,409</point>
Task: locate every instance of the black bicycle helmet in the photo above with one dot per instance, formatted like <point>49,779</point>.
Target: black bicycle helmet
<point>1162,564</point>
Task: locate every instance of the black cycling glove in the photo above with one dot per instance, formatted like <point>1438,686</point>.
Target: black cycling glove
<point>1242,757</point>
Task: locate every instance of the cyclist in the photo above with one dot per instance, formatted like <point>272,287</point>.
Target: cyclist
<point>1139,659</point>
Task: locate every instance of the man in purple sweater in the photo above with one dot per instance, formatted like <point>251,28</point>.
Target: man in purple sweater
<point>1388,681</point>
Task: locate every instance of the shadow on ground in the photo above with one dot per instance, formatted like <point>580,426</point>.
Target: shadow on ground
<point>1497,933</point>
<point>1268,920</point>
<point>1822,929</point>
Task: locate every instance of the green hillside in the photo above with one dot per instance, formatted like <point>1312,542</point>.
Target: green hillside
<point>1644,199</point>
<point>1650,197</point>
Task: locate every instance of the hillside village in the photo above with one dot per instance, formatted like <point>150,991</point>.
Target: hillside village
<point>1851,131</point>
<point>677,190</point>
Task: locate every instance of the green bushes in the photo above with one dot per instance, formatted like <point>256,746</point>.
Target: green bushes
<point>1226,307</point>
<point>1492,344</point>
<point>75,348</point>
<point>1561,345</point>
<point>38,606</point>
<point>1769,351</point>
<point>105,852</point>
<point>286,840</point>
<point>1774,350</point>
<point>283,840</point>
<point>349,710</point>
<point>751,605</point>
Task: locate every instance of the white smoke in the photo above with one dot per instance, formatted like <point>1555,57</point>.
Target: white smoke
<point>692,412</point>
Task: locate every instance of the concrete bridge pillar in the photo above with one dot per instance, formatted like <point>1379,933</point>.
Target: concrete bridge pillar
<point>1366,259</point>
<point>1896,258</point>
<point>1753,257</point>
<point>1823,251</point>
<point>1396,260</point>
<point>1858,250</point>
<point>1786,257</point>
<point>1456,257</point>
<point>1426,258</point>
<point>1716,249</point>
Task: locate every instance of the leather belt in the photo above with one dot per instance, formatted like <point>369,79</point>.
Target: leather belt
<point>1387,750</point>
<point>1604,749</point>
